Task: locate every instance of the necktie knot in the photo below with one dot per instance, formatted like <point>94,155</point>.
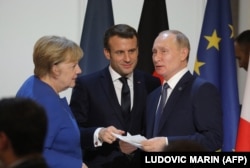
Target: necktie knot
<point>165,86</point>
<point>125,87</point>
<point>123,80</point>
<point>164,92</point>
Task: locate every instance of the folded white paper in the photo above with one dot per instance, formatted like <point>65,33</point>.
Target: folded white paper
<point>134,140</point>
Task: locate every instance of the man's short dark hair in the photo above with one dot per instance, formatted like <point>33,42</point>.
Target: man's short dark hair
<point>120,30</point>
<point>25,124</point>
<point>243,38</point>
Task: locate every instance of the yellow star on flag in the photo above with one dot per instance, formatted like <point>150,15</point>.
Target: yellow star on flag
<point>197,66</point>
<point>213,41</point>
<point>232,30</point>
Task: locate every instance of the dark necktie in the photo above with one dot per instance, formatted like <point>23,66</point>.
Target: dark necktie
<point>125,98</point>
<point>160,109</point>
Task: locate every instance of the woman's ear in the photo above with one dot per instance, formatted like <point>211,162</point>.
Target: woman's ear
<point>55,69</point>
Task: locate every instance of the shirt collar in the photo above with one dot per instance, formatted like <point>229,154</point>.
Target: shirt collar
<point>175,79</point>
<point>115,76</point>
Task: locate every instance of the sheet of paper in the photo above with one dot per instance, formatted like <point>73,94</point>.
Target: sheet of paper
<point>131,139</point>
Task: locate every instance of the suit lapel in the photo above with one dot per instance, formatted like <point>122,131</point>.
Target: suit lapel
<point>138,91</point>
<point>173,98</point>
<point>139,94</point>
<point>152,110</point>
<point>109,91</point>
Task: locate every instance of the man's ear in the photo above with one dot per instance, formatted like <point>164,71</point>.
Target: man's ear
<point>106,53</point>
<point>184,54</point>
<point>3,140</point>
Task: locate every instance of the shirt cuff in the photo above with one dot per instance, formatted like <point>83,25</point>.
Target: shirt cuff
<point>97,141</point>
<point>166,141</point>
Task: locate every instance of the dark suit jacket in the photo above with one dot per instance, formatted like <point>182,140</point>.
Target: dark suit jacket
<point>95,104</point>
<point>185,116</point>
<point>36,162</point>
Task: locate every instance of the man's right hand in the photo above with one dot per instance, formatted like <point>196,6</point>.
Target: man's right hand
<point>105,134</point>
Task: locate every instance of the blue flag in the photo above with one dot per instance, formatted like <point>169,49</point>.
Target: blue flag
<point>98,18</point>
<point>216,63</point>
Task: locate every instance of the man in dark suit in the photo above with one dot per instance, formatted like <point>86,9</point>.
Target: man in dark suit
<point>192,108</point>
<point>23,127</point>
<point>242,49</point>
<point>96,102</point>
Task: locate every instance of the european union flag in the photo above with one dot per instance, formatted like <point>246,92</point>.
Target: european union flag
<point>98,18</point>
<point>216,63</point>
